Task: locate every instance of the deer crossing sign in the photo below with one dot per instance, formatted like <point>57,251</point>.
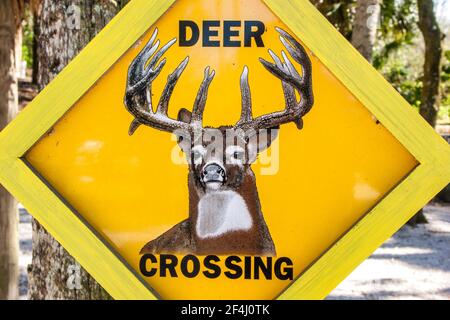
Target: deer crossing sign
<point>221,149</point>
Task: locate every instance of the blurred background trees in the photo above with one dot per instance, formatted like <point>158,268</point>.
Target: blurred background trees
<point>408,41</point>
<point>10,56</point>
<point>399,49</point>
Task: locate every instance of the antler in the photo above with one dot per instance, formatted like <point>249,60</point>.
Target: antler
<point>138,98</point>
<point>291,81</point>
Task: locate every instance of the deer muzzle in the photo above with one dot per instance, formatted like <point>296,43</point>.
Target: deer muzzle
<point>213,173</point>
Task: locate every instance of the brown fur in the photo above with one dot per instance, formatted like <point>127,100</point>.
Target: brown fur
<point>182,238</point>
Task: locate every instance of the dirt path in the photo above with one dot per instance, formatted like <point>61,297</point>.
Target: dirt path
<point>414,264</point>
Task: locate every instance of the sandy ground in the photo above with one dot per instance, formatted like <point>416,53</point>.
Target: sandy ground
<point>25,232</point>
<point>413,264</point>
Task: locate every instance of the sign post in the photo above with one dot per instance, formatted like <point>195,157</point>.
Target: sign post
<point>221,150</point>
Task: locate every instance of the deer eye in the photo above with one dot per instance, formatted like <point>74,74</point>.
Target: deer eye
<point>238,155</point>
<point>197,155</point>
<point>235,154</point>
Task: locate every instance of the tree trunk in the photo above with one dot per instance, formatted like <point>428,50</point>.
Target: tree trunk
<point>431,97</point>
<point>432,35</point>
<point>365,26</point>
<point>35,9</point>
<point>10,31</point>
<point>65,27</point>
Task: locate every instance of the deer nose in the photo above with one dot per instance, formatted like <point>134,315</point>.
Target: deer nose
<point>213,173</point>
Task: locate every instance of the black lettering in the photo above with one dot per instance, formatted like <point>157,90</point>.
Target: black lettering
<point>248,267</point>
<point>230,264</point>
<point>288,272</point>
<point>228,33</point>
<point>168,262</point>
<point>208,33</point>
<point>256,34</point>
<point>143,265</point>
<point>213,271</point>
<point>266,269</point>
<point>195,266</point>
<point>184,42</point>
<point>236,267</point>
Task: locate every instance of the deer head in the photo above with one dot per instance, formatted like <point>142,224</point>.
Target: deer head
<point>220,158</point>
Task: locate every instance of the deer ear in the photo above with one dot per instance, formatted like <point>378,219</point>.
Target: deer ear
<point>185,115</point>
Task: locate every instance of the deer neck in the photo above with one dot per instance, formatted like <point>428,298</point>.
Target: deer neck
<point>217,213</point>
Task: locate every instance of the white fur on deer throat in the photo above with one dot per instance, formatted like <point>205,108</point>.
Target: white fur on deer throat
<point>221,212</point>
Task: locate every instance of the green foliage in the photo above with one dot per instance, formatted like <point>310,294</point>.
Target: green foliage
<point>398,27</point>
<point>405,83</point>
<point>28,37</point>
<point>444,112</point>
<point>398,56</point>
<point>407,80</point>
<point>446,67</point>
<point>340,13</point>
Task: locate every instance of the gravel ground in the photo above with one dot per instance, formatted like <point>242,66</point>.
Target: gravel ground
<point>413,264</point>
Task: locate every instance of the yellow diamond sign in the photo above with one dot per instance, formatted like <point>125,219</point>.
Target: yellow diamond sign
<point>221,150</point>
